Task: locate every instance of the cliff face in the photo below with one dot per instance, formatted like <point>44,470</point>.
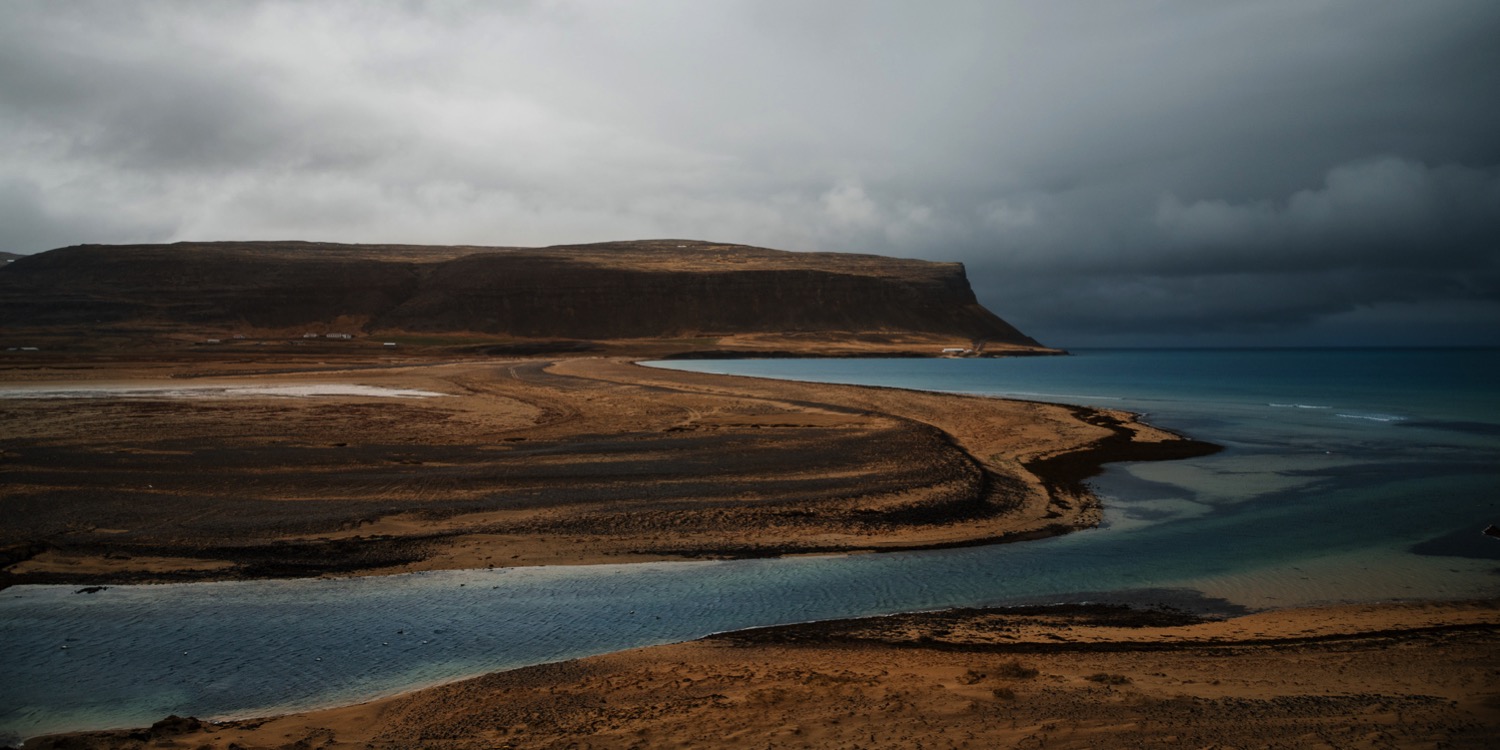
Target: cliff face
<point>605,291</point>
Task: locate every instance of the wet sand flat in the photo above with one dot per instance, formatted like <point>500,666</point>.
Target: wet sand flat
<point>224,469</point>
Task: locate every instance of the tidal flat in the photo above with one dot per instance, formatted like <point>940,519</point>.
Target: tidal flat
<point>527,462</point>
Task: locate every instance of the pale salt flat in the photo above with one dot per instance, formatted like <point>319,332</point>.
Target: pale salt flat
<point>312,390</point>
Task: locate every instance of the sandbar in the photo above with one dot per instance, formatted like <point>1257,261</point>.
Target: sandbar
<point>314,469</point>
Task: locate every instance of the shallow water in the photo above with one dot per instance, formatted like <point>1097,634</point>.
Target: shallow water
<point>1305,506</point>
<point>1415,434</point>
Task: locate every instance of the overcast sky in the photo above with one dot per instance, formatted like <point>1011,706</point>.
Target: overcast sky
<point>1168,172</point>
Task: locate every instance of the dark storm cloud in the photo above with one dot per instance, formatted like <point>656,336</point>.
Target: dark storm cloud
<point>1380,232</point>
<point>1381,213</point>
<point>1250,172</point>
<point>29,221</point>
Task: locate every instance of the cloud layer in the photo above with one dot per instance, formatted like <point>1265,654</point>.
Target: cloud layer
<point>1164,172</point>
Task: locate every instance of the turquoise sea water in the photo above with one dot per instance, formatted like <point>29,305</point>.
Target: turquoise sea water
<point>1348,476</point>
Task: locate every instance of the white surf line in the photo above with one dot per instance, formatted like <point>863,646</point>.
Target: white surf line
<point>1373,417</point>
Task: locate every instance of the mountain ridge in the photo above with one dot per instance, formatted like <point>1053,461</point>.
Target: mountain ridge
<point>599,291</point>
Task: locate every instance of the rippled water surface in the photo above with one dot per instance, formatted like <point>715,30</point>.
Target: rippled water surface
<point>1349,476</point>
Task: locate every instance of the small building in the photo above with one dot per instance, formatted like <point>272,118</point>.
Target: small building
<point>391,344</point>
<point>955,350</point>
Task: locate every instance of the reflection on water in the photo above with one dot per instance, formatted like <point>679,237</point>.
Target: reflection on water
<point>1303,507</point>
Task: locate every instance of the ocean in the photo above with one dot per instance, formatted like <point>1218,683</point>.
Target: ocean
<point>1371,464</point>
<point>1348,475</point>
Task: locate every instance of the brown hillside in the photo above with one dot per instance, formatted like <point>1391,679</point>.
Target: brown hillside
<point>616,290</point>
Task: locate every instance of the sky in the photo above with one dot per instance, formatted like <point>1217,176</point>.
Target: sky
<point>1152,172</point>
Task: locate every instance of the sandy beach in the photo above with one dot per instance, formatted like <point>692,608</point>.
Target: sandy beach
<point>213,470</point>
<point>1398,675</point>
<point>196,470</point>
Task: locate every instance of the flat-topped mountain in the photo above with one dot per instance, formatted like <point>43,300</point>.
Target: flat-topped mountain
<point>613,290</point>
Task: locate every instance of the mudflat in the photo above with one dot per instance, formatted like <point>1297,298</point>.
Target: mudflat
<point>201,469</point>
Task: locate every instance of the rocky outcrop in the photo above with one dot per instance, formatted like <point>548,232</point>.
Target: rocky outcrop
<point>644,289</point>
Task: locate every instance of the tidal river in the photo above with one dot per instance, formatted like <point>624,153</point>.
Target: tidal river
<point>1349,475</point>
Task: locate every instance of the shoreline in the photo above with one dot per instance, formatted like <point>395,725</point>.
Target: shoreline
<point>842,446</point>
<point>1378,675</point>
<point>1098,674</point>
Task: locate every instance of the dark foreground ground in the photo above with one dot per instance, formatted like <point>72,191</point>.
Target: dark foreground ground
<point>1390,676</point>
